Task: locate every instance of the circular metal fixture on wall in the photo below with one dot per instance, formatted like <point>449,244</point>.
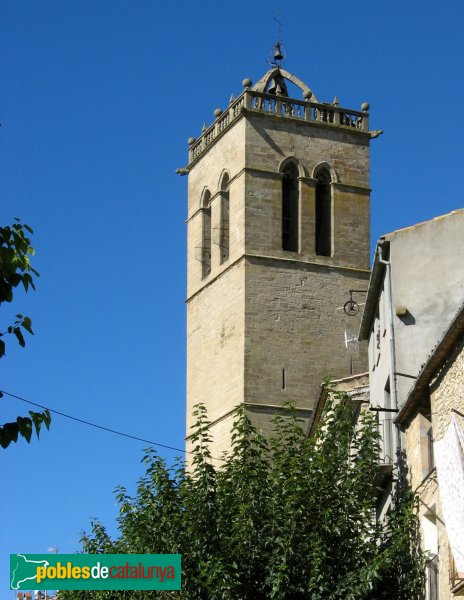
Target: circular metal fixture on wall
<point>351,308</point>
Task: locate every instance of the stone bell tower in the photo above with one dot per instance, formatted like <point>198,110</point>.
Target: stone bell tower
<point>278,235</point>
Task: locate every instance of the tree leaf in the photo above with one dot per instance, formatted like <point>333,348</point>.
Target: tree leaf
<point>37,419</point>
<point>19,336</point>
<point>27,324</point>
<point>25,427</point>
<point>47,418</point>
<point>4,439</point>
<point>11,431</point>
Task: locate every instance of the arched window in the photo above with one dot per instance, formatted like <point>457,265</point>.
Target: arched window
<point>224,227</point>
<point>290,202</point>
<point>323,214</point>
<point>206,241</point>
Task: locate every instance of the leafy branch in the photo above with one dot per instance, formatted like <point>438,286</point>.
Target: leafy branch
<point>289,517</point>
<point>15,269</point>
<point>23,426</point>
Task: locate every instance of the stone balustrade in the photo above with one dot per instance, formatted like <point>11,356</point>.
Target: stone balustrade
<point>313,112</point>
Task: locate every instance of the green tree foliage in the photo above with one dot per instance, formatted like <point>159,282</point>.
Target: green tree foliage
<point>16,270</point>
<point>288,518</point>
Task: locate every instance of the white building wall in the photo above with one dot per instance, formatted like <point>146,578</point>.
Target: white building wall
<point>428,280</point>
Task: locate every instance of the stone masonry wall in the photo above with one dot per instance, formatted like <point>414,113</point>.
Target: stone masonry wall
<point>226,155</point>
<point>269,140</point>
<point>447,392</point>
<point>215,348</point>
<point>293,322</point>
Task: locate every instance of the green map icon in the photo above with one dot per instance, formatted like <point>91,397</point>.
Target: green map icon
<point>23,571</point>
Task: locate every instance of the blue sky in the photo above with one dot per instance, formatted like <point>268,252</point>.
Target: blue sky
<point>96,104</point>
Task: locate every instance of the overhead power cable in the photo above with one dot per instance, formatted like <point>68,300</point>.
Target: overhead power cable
<point>90,424</point>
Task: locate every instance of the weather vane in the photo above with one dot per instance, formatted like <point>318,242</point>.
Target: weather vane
<point>279,25</point>
<point>278,53</point>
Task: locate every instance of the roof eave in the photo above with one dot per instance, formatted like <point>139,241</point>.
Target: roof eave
<point>433,364</point>
<point>373,292</point>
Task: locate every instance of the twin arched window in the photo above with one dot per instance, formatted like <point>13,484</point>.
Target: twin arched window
<point>291,210</point>
<point>212,234</point>
<point>290,216</point>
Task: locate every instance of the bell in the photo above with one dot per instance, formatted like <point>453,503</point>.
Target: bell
<point>278,52</point>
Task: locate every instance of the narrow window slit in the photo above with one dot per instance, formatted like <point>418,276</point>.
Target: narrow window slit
<point>206,234</point>
<point>323,214</point>
<point>290,201</point>
<point>224,234</point>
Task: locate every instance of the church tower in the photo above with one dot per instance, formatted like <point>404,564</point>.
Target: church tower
<point>278,235</point>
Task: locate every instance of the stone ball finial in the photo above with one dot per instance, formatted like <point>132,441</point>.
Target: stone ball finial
<point>307,95</point>
<point>191,141</point>
<point>365,106</point>
<point>247,83</point>
<point>218,112</point>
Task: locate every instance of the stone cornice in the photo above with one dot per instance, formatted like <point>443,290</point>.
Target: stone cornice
<point>318,124</point>
<point>215,278</point>
<point>310,114</point>
<point>308,180</point>
<point>257,406</point>
<point>309,264</point>
<point>347,187</point>
<point>263,172</point>
<point>260,406</point>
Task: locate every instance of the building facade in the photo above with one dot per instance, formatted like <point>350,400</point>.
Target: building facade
<point>415,292</point>
<point>416,288</point>
<point>278,235</point>
<point>435,404</point>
